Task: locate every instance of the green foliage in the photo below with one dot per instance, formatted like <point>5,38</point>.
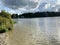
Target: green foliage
<point>5,14</point>
<point>6,23</point>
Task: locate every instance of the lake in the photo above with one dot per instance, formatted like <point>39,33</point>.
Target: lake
<point>36,31</point>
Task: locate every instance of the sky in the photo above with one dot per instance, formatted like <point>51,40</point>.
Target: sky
<point>23,6</point>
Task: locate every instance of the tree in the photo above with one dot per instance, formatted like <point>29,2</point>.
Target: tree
<point>14,15</point>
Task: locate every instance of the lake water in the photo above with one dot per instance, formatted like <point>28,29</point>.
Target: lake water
<point>36,31</point>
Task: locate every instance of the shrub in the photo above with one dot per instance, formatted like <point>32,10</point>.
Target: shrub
<point>6,22</point>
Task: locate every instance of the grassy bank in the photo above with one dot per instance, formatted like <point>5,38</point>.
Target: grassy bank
<point>6,22</point>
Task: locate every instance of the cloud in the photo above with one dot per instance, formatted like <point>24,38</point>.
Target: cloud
<point>21,6</point>
<point>15,4</point>
<point>49,5</point>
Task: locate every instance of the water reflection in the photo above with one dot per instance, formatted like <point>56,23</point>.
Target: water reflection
<point>36,31</point>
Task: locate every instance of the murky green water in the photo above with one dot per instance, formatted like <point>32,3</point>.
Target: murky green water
<point>36,31</point>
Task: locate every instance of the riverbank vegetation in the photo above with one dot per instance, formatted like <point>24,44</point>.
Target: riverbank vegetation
<point>36,15</point>
<point>6,22</point>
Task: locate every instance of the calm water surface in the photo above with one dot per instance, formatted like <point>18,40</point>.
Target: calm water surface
<point>36,31</point>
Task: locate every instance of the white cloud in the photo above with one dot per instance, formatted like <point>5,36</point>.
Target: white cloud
<point>58,1</point>
<point>47,6</point>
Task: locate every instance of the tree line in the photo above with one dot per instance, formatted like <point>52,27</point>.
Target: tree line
<point>36,14</point>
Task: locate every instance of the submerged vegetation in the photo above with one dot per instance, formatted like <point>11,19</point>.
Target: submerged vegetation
<point>6,22</point>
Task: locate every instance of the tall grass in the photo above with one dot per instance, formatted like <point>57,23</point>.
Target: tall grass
<point>6,22</point>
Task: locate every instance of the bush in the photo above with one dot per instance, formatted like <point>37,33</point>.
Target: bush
<point>6,22</point>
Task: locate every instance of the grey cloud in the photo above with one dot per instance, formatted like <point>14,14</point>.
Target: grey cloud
<point>19,3</point>
<point>30,4</point>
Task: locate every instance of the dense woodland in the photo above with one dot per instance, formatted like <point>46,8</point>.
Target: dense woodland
<point>36,15</point>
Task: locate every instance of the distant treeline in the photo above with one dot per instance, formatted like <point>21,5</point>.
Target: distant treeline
<point>36,14</point>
